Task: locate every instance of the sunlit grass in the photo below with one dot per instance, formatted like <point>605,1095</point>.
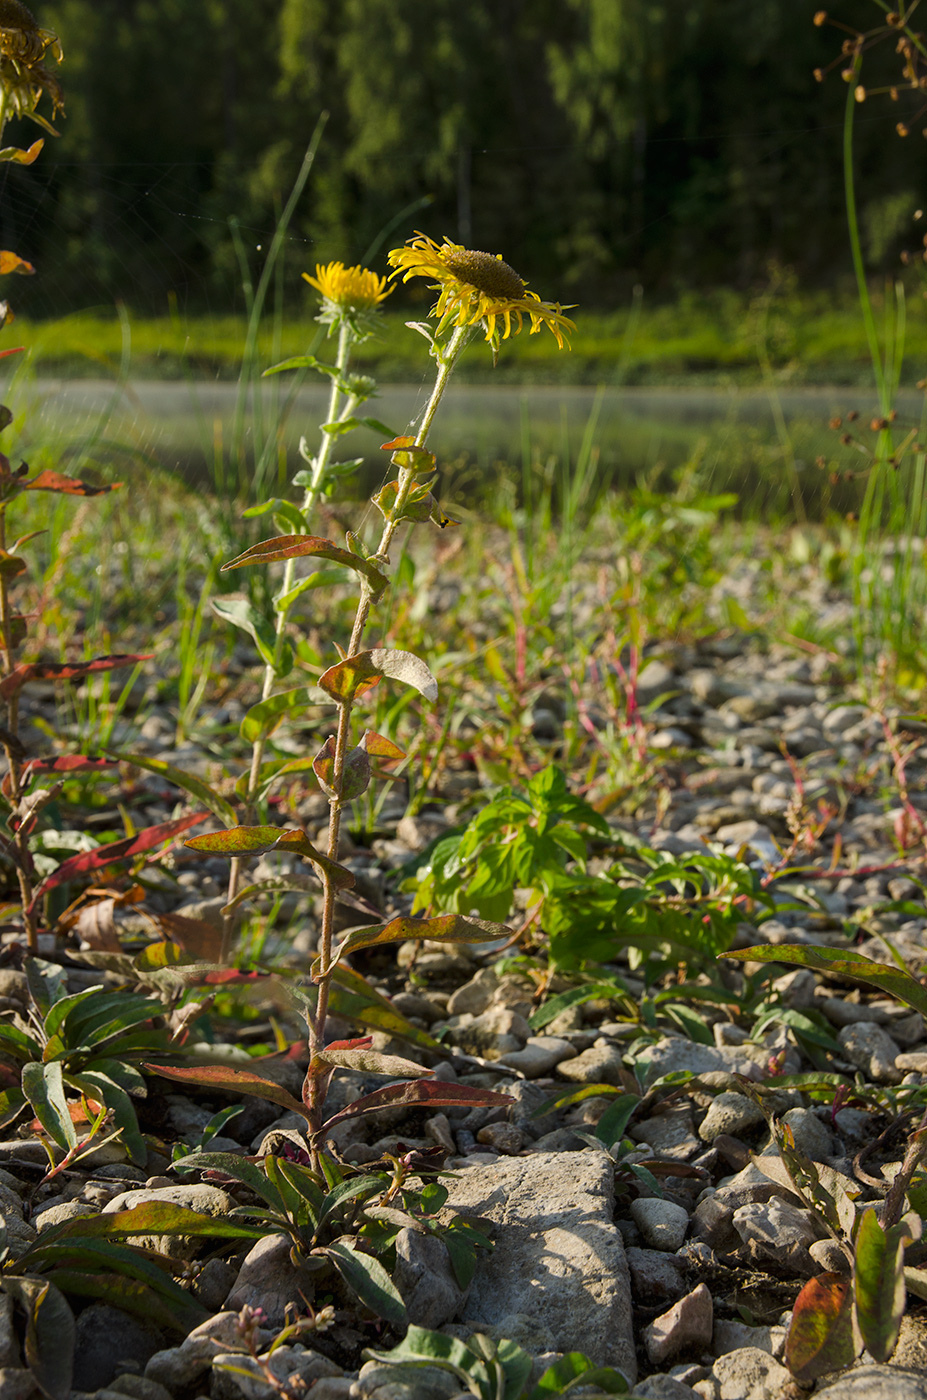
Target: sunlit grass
<point>809,339</point>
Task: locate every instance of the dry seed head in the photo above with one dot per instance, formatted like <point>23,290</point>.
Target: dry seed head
<point>487,273</point>
<point>819,75</point>
<point>820,18</point>
<point>860,93</point>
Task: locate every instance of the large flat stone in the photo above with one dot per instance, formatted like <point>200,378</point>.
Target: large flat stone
<point>557,1279</point>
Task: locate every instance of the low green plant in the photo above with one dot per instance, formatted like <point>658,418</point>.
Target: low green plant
<point>344,1221</point>
<point>496,1370</point>
<point>649,905</point>
<point>89,1043</point>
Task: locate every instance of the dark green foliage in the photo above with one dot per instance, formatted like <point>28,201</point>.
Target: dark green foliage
<point>599,142</point>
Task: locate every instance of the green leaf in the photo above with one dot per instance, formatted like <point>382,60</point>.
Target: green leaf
<point>284,510</point>
<point>610,1127</point>
<point>369,1280</point>
<point>150,1218</point>
<point>262,719</point>
<point>187,781</point>
<point>445,928</point>
<point>576,1369</point>
<point>240,613</point>
<point>878,1282</point>
<point>614,991</point>
<point>353,998</point>
<point>12,1103</point>
<point>299,547</point>
<point>43,1086</point>
<point>359,673</point>
<point>103,1089</point>
<point>822,1335</point>
<point>13,1041</point>
<point>236,1167</point>
<point>97,1268</point>
<point>50,1334</point>
<point>258,840</point>
<point>231,1081</point>
<point>838,963</point>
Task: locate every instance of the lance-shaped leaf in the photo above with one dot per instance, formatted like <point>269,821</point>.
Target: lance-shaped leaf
<point>67,485</point>
<point>69,763</point>
<point>445,928</point>
<point>258,840</point>
<point>240,613</point>
<point>367,1277</point>
<point>11,565</point>
<point>43,1086</point>
<point>187,781</point>
<point>151,1218</point>
<point>357,674</point>
<point>67,671</point>
<point>280,884</point>
<point>355,778</point>
<point>822,1335</point>
<point>357,1055</point>
<point>298,547</point>
<point>378,746</point>
<point>878,1282</point>
<point>101,856</point>
<point>50,1334</point>
<point>262,719</point>
<point>352,997</point>
<point>887,978</point>
<point>430,1093</point>
<point>231,1081</point>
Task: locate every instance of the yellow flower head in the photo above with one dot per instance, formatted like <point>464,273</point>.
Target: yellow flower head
<point>23,76</point>
<point>350,295</point>
<point>478,289</point>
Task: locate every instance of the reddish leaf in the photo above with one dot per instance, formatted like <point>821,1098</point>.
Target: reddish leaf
<point>231,977</point>
<point>66,485</point>
<point>17,349</point>
<point>232,1081</point>
<point>429,1093</point>
<point>822,1335</point>
<point>70,763</point>
<point>379,747</point>
<point>20,157</point>
<point>102,856</point>
<point>298,546</point>
<point>46,671</point>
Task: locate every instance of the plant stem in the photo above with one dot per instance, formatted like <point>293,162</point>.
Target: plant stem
<point>336,413</point>
<point>447,359</point>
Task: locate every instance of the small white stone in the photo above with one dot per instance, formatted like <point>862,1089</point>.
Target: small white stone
<point>662,1224</point>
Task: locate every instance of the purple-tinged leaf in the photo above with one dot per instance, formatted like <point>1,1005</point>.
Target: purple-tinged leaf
<point>298,547</point>
<point>102,856</point>
<point>822,1335</point>
<point>47,671</point>
<point>230,1081</point>
<point>431,1093</point>
<point>66,485</point>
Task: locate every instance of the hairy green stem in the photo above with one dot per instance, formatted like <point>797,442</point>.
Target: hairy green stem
<point>447,359</point>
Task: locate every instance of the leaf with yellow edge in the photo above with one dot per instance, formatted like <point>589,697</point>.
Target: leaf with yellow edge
<point>839,963</point>
<point>298,547</point>
<point>259,840</point>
